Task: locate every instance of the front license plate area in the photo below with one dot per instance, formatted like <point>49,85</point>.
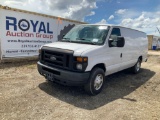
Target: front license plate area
<point>49,76</point>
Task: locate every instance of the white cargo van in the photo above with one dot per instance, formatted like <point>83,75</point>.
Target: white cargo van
<point>87,53</point>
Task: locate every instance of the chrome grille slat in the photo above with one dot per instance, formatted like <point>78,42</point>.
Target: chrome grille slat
<point>54,61</point>
<point>53,55</point>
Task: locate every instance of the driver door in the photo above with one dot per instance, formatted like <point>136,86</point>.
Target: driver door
<point>114,52</point>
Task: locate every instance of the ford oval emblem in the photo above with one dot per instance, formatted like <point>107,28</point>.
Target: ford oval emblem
<point>53,58</point>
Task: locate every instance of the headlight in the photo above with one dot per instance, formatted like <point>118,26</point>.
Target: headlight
<point>80,63</point>
<point>79,66</point>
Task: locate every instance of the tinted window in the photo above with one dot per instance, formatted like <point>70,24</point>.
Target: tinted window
<point>116,31</point>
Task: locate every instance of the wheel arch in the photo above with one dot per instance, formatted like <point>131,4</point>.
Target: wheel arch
<point>100,65</point>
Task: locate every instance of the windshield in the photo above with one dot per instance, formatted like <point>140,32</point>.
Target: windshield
<point>87,34</point>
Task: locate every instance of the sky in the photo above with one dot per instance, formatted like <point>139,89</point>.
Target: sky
<point>142,15</point>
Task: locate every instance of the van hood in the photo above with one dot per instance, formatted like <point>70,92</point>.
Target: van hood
<point>76,47</point>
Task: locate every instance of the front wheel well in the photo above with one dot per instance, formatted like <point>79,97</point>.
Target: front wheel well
<point>100,65</point>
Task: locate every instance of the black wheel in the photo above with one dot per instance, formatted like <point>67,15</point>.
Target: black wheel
<point>95,82</point>
<point>136,68</point>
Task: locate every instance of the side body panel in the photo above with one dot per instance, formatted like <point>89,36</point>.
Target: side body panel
<point>136,45</point>
<point>109,57</point>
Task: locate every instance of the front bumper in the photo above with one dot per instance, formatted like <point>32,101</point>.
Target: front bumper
<point>63,76</point>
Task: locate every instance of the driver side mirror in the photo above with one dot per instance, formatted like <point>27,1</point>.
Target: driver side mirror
<point>120,42</point>
<point>116,41</point>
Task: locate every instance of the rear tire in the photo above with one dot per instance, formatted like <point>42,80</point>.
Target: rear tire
<point>136,68</point>
<point>95,82</point>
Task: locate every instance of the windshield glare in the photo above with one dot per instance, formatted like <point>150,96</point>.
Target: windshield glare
<point>88,34</point>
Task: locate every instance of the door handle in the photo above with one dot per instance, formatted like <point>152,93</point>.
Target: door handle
<point>121,55</point>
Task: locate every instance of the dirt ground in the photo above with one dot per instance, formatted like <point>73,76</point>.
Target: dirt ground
<point>24,94</point>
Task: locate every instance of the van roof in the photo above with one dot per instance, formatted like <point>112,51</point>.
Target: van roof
<point>112,25</point>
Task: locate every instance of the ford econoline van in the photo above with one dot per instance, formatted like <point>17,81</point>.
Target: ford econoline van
<point>88,53</point>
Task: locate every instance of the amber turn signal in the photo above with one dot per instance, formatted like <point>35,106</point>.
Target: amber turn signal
<point>81,59</point>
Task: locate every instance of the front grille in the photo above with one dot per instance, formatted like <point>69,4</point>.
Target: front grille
<point>57,58</point>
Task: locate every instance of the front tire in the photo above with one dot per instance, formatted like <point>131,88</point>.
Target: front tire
<point>95,82</point>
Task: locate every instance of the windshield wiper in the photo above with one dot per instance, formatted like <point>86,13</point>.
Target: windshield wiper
<point>84,42</point>
<point>93,43</point>
<point>66,40</point>
<point>80,39</point>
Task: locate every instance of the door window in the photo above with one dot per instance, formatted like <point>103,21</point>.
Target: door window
<point>114,37</point>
